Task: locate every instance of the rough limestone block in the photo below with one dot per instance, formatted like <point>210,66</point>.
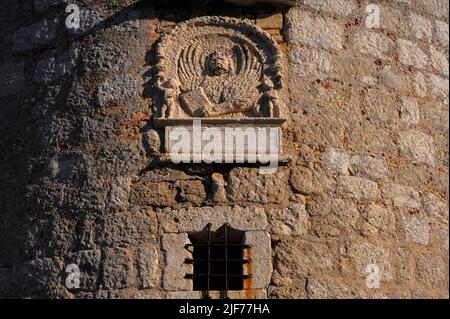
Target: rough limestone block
<point>329,288</point>
<point>414,228</point>
<point>12,78</point>
<point>442,33</point>
<point>175,269</point>
<point>316,31</point>
<point>274,21</point>
<point>260,244</point>
<point>117,268</point>
<point>378,221</point>
<point>334,7</point>
<point>304,61</point>
<point>336,161</point>
<point>148,267</point>
<point>307,181</point>
<point>432,270</point>
<point>411,54</point>
<point>402,196</point>
<point>195,219</point>
<point>53,67</point>
<point>88,262</point>
<point>329,217</point>
<point>439,61</point>
<point>288,221</point>
<point>247,185</point>
<point>357,188</point>
<point>372,43</point>
<point>41,5</point>
<point>261,273</point>
<point>436,208</point>
<point>409,110</point>
<point>368,167</point>
<point>37,34</point>
<point>421,27</point>
<point>363,254</point>
<point>417,147</point>
<point>439,87</point>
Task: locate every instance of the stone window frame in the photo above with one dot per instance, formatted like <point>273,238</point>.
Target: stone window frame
<point>178,223</point>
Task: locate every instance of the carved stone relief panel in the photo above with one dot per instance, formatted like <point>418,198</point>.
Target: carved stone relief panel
<point>218,67</point>
<point>220,70</point>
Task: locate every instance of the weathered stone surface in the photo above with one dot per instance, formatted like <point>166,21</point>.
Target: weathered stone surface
<point>154,193</point>
<point>336,161</point>
<point>442,33</point>
<point>372,43</point>
<point>329,217</point>
<point>402,196</point>
<point>329,288</point>
<point>147,262</point>
<point>38,275</point>
<point>41,5</point>
<point>12,78</point>
<point>307,181</point>
<point>420,84</point>
<point>409,111</point>
<point>363,254</point>
<point>368,167</point>
<point>219,196</point>
<point>394,79</point>
<point>340,7</point>
<point>133,227</point>
<point>247,185</point>
<point>192,192</point>
<point>421,27</point>
<point>378,221</point>
<point>289,221</point>
<point>173,246</point>
<point>410,54</point>
<point>416,146</point>
<point>273,21</point>
<point>357,188</point>
<point>117,268</point>
<point>439,87</point>
<point>232,294</point>
<point>432,270</point>
<point>195,219</point>
<point>5,281</point>
<point>117,90</point>
<point>315,31</point>
<point>306,61</point>
<point>153,141</point>
<point>260,253</point>
<point>53,67</point>
<point>297,258</point>
<point>403,261</point>
<point>439,61</point>
<point>88,262</point>
<point>37,34</point>
<point>414,228</point>
<point>436,208</point>
<point>261,271</point>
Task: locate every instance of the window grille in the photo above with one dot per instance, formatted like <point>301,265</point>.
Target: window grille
<point>218,259</point>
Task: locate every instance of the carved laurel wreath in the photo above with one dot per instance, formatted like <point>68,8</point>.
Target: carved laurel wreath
<point>251,57</point>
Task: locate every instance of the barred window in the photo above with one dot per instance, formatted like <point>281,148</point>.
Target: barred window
<point>218,259</point>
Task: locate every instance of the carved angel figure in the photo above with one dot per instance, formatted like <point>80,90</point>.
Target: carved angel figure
<point>220,82</point>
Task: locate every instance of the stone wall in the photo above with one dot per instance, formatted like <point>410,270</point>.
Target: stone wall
<point>367,134</point>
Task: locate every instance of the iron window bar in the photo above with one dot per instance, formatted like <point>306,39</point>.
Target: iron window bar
<point>226,275</point>
<point>191,260</point>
